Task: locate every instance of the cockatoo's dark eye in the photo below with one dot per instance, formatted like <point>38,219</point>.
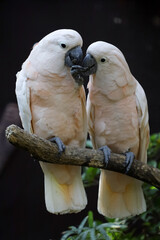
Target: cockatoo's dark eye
<point>63,45</point>
<point>103,60</point>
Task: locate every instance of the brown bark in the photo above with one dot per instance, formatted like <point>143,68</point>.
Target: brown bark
<point>44,150</point>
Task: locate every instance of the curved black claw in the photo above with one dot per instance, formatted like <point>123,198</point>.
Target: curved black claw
<point>60,144</point>
<point>77,74</point>
<point>128,161</point>
<point>107,152</point>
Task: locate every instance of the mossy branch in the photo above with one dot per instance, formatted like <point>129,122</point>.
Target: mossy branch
<point>44,150</point>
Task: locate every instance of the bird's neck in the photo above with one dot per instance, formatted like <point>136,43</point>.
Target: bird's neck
<point>109,89</point>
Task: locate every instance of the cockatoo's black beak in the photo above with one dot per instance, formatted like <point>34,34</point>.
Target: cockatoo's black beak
<point>74,57</point>
<point>89,65</point>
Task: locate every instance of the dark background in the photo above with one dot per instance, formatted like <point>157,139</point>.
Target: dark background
<point>133,26</point>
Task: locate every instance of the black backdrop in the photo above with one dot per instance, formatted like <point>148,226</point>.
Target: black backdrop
<point>133,26</point>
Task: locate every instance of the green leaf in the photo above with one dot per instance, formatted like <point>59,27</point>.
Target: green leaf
<point>73,229</point>
<point>66,235</point>
<point>83,235</point>
<point>89,144</point>
<point>103,232</point>
<point>152,163</point>
<point>82,224</point>
<point>92,234</point>
<point>90,175</point>
<point>113,225</point>
<point>90,219</point>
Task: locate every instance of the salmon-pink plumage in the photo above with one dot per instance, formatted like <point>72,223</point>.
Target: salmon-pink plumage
<point>51,103</point>
<point>117,117</point>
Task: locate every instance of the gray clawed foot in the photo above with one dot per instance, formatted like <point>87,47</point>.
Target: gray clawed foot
<point>107,152</point>
<point>128,161</point>
<point>60,144</point>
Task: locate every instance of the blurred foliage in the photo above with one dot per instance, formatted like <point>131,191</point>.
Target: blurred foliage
<point>142,227</point>
<point>90,175</point>
<point>154,150</point>
<point>94,230</point>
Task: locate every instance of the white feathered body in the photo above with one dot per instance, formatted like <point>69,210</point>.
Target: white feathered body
<point>117,117</point>
<point>52,104</point>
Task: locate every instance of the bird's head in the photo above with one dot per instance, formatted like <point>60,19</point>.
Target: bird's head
<point>57,51</point>
<point>101,58</point>
<point>109,70</point>
<point>105,61</point>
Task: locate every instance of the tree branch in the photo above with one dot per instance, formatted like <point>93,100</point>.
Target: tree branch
<point>44,150</point>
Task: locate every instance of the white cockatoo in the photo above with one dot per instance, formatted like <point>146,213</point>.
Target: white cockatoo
<point>118,122</point>
<point>52,104</point>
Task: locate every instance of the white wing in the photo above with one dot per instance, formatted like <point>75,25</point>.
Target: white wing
<point>23,100</point>
<point>142,109</point>
<point>90,119</point>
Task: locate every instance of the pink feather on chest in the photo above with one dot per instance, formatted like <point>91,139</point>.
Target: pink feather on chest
<point>116,124</point>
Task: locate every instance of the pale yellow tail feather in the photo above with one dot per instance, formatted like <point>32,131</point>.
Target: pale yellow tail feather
<point>64,198</point>
<point>120,204</point>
